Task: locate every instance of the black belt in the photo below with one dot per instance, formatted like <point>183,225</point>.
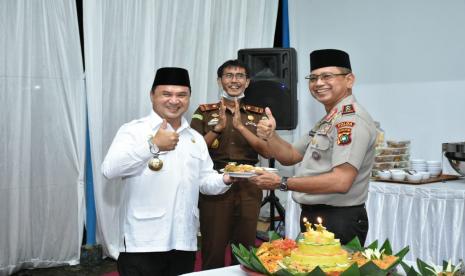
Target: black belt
<point>324,206</point>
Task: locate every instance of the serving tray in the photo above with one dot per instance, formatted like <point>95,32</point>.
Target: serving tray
<point>440,178</point>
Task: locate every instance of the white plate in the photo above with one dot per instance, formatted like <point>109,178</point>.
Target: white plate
<point>248,174</point>
<point>242,174</point>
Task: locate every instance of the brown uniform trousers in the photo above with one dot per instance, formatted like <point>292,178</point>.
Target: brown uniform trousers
<point>230,217</point>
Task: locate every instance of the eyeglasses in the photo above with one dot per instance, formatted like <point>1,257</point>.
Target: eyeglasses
<point>326,77</point>
<point>239,76</point>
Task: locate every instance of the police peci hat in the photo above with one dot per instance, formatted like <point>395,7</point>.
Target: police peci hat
<point>329,57</point>
<point>171,76</point>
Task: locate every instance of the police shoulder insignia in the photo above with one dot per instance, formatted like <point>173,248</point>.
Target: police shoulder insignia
<point>208,107</point>
<point>254,109</point>
<point>197,116</point>
<point>345,124</point>
<point>348,109</point>
<point>344,136</point>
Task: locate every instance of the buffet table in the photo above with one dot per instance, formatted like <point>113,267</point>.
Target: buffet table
<point>225,271</point>
<point>430,218</point>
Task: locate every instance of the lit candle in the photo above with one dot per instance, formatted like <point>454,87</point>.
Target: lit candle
<point>319,226</point>
<point>308,225</point>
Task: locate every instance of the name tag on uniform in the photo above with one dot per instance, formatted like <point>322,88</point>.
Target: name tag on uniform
<point>213,122</point>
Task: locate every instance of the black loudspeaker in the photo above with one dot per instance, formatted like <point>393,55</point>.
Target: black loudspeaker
<point>273,74</point>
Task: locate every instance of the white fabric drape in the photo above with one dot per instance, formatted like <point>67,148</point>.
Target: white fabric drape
<point>42,133</point>
<point>126,41</point>
<point>429,218</point>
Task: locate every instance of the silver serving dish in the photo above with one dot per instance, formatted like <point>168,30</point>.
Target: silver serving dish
<point>455,153</point>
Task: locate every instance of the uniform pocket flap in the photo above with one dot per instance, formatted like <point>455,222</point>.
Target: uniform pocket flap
<point>149,213</point>
<point>320,142</point>
<point>197,154</point>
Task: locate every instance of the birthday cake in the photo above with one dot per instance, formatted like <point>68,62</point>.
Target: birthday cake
<point>318,247</point>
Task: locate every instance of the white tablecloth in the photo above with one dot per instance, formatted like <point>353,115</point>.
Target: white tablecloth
<point>225,271</point>
<point>237,271</point>
<point>430,218</point>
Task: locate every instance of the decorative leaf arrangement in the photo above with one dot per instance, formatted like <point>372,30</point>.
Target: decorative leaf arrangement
<point>424,269</point>
<point>249,259</point>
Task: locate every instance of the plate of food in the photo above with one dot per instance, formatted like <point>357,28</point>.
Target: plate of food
<point>244,170</point>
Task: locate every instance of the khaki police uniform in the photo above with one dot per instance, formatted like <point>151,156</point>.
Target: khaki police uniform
<point>347,134</point>
<point>230,217</point>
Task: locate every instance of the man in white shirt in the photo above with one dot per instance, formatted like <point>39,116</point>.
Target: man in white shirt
<point>164,164</point>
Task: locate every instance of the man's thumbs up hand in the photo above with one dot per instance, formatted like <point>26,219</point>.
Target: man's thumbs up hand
<point>266,126</point>
<point>165,139</point>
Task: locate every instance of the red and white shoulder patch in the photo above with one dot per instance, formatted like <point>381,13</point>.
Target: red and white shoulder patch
<point>344,132</point>
<point>348,109</point>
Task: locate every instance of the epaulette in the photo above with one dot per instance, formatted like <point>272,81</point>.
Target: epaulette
<point>348,109</point>
<point>208,107</point>
<point>254,109</point>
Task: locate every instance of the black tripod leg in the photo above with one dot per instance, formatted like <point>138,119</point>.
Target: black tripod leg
<point>265,200</point>
<point>280,209</point>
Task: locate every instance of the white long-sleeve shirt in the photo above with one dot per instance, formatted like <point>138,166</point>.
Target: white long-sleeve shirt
<point>159,208</point>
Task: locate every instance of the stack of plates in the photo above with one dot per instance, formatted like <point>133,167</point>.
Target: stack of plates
<point>434,167</point>
<point>418,165</point>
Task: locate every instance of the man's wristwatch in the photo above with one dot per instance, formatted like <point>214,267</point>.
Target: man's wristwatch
<point>153,148</point>
<point>283,184</point>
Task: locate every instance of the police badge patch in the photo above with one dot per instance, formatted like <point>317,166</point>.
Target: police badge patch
<point>344,132</point>
<point>345,124</point>
<point>344,136</point>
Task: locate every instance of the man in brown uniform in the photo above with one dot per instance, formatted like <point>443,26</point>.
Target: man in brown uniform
<point>335,157</point>
<point>229,129</point>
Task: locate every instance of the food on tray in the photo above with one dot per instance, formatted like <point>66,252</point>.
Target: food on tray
<point>398,144</point>
<point>270,253</point>
<point>390,165</point>
<point>318,248</point>
<point>233,167</point>
<point>380,259</point>
<point>391,151</point>
<point>392,158</point>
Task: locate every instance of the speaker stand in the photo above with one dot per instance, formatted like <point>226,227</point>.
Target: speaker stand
<point>273,200</point>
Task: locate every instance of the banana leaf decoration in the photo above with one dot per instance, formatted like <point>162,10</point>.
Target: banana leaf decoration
<point>370,268</point>
<point>249,259</point>
<point>425,269</point>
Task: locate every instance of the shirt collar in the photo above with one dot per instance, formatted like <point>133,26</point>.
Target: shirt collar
<point>338,108</point>
<point>347,100</point>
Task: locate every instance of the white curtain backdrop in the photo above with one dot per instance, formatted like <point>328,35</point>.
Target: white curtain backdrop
<point>126,41</point>
<point>42,131</point>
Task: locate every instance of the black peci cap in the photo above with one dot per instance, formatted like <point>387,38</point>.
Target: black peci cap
<point>171,76</point>
<point>329,57</point>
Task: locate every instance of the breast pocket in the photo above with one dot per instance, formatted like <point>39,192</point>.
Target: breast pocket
<point>148,224</point>
<point>320,142</point>
<point>194,158</point>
